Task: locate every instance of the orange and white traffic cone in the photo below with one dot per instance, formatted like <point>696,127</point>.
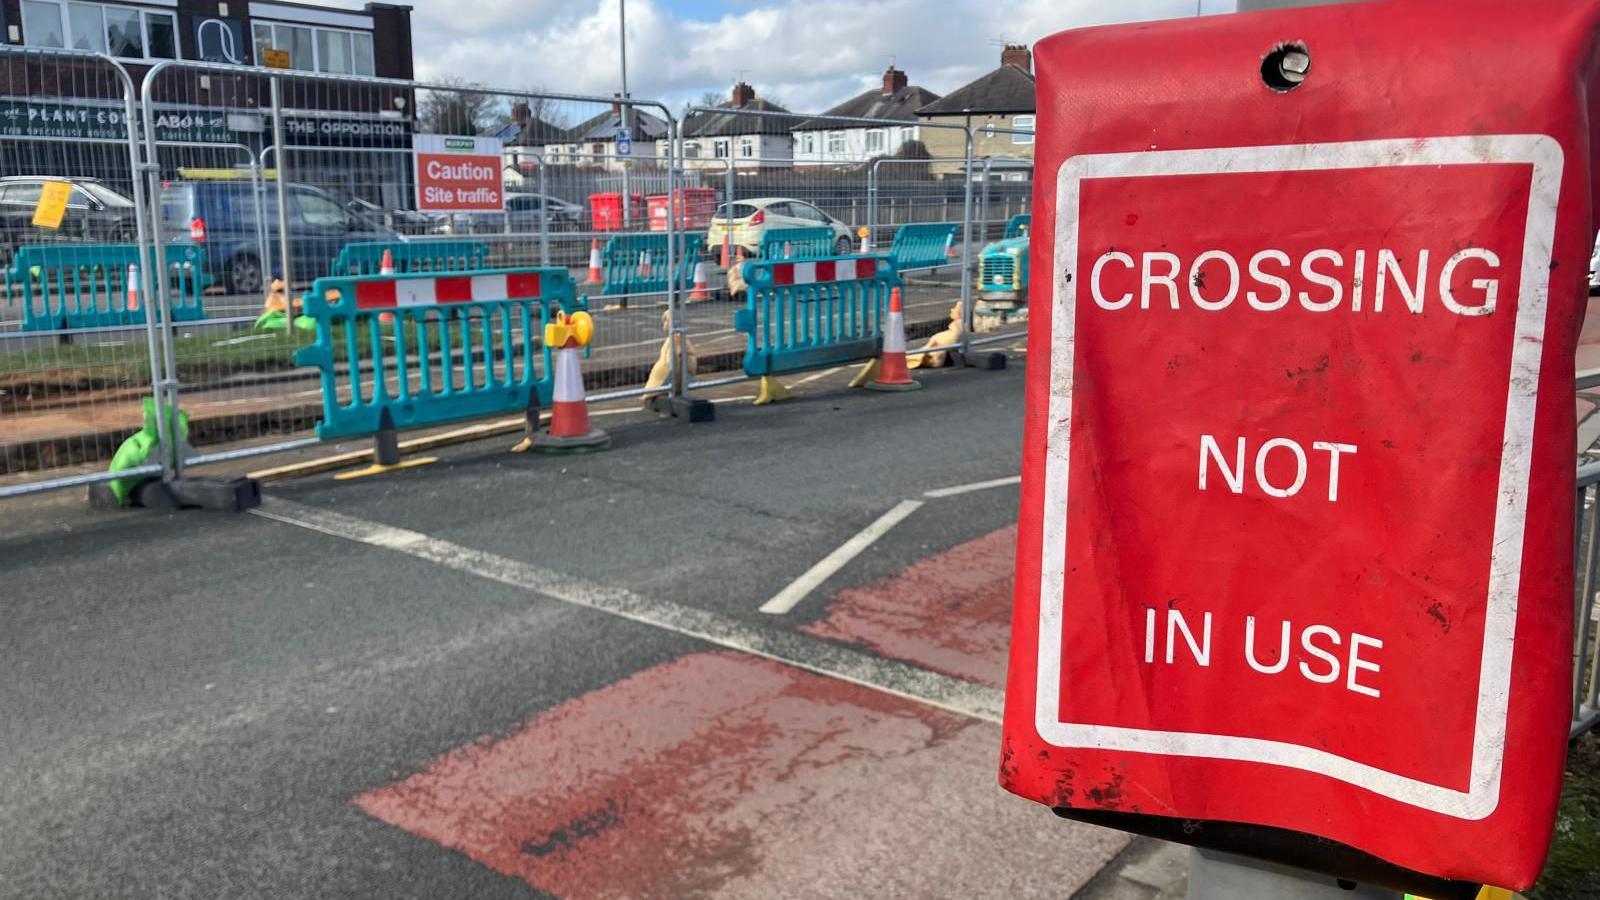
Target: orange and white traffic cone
<point>866,240</point>
<point>133,289</point>
<point>570,431</point>
<point>701,290</point>
<point>595,275</point>
<point>644,264</point>
<point>950,249</point>
<point>893,375</point>
<point>386,267</point>
<point>727,238</point>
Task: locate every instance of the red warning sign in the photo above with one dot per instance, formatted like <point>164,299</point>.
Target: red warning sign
<point>1297,493</point>
<point>459,174</point>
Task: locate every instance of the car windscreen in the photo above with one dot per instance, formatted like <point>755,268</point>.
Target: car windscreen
<point>105,195</point>
<point>176,209</point>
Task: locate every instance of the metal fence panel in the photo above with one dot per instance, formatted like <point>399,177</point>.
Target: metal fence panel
<point>77,350</point>
<point>861,179</point>
<point>302,176</point>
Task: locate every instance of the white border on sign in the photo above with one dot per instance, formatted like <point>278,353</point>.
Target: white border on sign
<point>1544,155</point>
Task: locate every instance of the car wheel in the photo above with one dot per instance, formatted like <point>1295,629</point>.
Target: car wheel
<point>244,274</point>
<point>843,247</point>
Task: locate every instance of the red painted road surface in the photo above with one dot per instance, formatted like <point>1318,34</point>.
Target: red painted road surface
<point>719,774</point>
<point>950,613</point>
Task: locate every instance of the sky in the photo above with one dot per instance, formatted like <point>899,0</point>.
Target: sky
<point>810,54</point>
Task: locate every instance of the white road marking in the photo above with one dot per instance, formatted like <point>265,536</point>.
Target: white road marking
<point>813,377</point>
<point>793,648</point>
<point>969,488</point>
<point>833,562</point>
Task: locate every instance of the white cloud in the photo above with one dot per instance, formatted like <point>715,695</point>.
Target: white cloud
<point>809,53</point>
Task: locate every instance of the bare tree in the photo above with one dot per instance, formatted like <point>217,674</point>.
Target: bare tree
<point>460,109</point>
<point>545,109</point>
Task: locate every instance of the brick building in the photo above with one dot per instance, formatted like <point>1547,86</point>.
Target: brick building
<point>346,136</point>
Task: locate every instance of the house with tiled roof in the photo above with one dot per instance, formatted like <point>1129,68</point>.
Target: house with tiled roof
<point>995,106</point>
<point>822,140</point>
<point>593,142</point>
<point>523,138</point>
<point>729,132</point>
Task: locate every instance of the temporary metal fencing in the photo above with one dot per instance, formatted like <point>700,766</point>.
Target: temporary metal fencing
<point>296,175</point>
<point>70,116</point>
<point>1586,618</point>
<point>335,155</point>
<point>896,195</point>
<point>853,173</point>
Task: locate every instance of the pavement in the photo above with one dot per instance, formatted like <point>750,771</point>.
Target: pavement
<point>521,676</point>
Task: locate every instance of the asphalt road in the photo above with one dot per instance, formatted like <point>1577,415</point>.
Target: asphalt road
<point>517,676</point>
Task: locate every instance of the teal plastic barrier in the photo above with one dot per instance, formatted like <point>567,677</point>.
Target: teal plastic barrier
<point>1018,225</point>
<point>64,286</point>
<point>637,263</point>
<point>461,345</point>
<point>797,243</point>
<point>924,245</point>
<point>411,257</point>
<point>812,313</point>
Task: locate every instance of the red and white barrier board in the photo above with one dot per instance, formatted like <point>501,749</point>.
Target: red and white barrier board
<point>393,293</point>
<point>824,271</point>
<point>1296,524</point>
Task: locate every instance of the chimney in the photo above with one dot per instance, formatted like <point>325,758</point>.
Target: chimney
<point>616,103</point>
<point>894,81</point>
<point>1017,55</point>
<point>521,112</point>
<point>743,94</point>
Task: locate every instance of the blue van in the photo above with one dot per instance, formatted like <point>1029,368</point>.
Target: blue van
<point>239,229</point>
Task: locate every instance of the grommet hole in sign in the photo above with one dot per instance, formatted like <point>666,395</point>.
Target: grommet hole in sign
<point>1286,66</point>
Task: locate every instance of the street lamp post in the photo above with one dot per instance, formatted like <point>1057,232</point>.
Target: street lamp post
<point>627,112</point>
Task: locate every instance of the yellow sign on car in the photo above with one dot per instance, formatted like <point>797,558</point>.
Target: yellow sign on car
<point>52,206</point>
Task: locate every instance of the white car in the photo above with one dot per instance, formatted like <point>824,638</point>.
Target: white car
<point>747,220</point>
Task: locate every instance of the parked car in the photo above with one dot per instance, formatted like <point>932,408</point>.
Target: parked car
<point>525,212</point>
<point>747,220</point>
<point>405,221</point>
<point>240,229</point>
<point>95,214</point>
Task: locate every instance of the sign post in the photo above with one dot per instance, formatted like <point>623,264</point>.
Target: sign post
<point>1294,566</point>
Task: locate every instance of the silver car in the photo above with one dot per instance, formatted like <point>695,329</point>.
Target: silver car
<point>524,213</point>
